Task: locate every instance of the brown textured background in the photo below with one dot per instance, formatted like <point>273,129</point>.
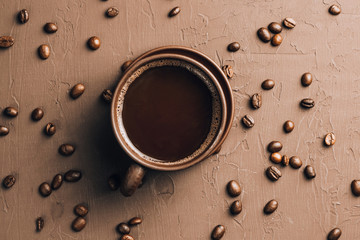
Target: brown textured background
<point>189,203</point>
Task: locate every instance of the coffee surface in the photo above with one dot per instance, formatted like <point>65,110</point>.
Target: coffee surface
<point>167,112</point>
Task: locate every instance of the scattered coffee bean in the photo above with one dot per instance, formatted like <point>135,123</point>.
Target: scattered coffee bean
<point>107,95</point>
<point>39,224</point>
<point>175,11</point>
<point>135,221</point>
<point>248,121</point>
<point>23,16</point>
<point>78,224</point>
<point>264,34</point>
<point>112,12</point>
<point>50,27</point>
<point>57,181</point>
<point>81,210</point>
<point>275,27</point>
<point>295,162</point>
<point>123,228</point>
<point>11,112</point>
<point>125,65</point>
<point>275,157</point>
<point>66,149</point>
<point>77,90</point>
<point>4,131</point>
<point>289,23</point>
<point>330,139</point>
<point>127,237</point>
<point>271,206</point>
<point>273,173</point>
<point>233,47</point>
<point>6,41</point>
<point>289,126</point>
<point>218,232</point>
<point>94,43</point>
<point>285,160</point>
<point>276,40</point>
<point>307,103</point>
<point>334,9</point>
<point>44,51</point>
<point>50,129</point>
<point>9,181</point>
<point>37,114</point>
<point>228,70</point>
<point>233,188</point>
<point>72,176</point>
<point>114,182</point>
<point>306,79</point>
<point>236,207</point>
<point>355,187</point>
<point>268,84</point>
<point>309,172</point>
<point>45,189</point>
<point>256,100</point>
<point>275,146</point>
<point>334,234</point>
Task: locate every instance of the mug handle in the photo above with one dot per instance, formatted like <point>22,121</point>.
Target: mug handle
<point>132,179</point>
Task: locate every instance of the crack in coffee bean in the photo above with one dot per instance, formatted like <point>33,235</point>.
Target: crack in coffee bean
<point>6,41</point>
<point>50,129</point>
<point>289,23</point>
<point>330,139</point>
<point>273,173</point>
<point>9,181</point>
<point>23,16</point>
<point>248,121</point>
<point>228,70</point>
<point>307,103</point>
<point>39,224</point>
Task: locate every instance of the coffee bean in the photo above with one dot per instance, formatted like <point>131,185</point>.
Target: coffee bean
<point>330,139</point>
<point>45,189</point>
<point>37,114</point>
<point>268,84</point>
<point>125,65</point>
<point>276,40</point>
<point>50,27</point>
<point>295,162</point>
<point>289,126</point>
<point>309,172</point>
<point>264,34</point>
<point>218,232</point>
<point>248,121</point>
<point>236,207</point>
<point>334,9</point>
<point>44,51</point>
<point>94,43</point>
<point>50,129</point>
<point>275,157</point>
<point>81,210</point>
<point>135,221</point>
<point>114,182</point>
<point>107,95</point>
<point>275,146</point>
<point>4,131</point>
<point>72,176</point>
<point>127,237</point>
<point>275,27</point>
<point>233,188</point>
<point>334,234</point>
<point>77,90</point>
<point>57,181</point>
<point>285,160</point>
<point>23,16</point>
<point>228,70</point>
<point>355,187</point>
<point>307,103</point>
<point>66,149</point>
<point>306,79</point>
<point>273,173</point>
<point>112,12</point>
<point>6,41</point>
<point>123,228</point>
<point>175,11</point>
<point>11,112</point>
<point>39,224</point>
<point>9,181</point>
<point>289,23</point>
<point>233,47</point>
<point>256,100</point>
<point>78,224</point>
<point>271,206</point>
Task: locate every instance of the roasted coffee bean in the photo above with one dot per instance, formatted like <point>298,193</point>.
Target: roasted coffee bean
<point>66,149</point>
<point>135,221</point>
<point>334,234</point>
<point>271,206</point>
<point>256,100</point>
<point>264,34</point>
<point>123,228</point>
<point>4,131</point>
<point>37,114</point>
<point>50,129</point>
<point>275,27</point>
<point>72,176</point>
<point>276,40</point>
<point>275,146</point>
<point>218,232</point>
<point>114,182</point>
<point>306,79</point>
<point>275,157</point>
<point>6,41</point>
<point>285,160</point>
<point>57,181</point>
<point>334,9</point>
<point>228,70</point>
<point>236,207</point>
<point>233,47</point>
<point>248,121</point>
<point>307,103</point>
<point>78,224</point>
<point>175,11</point>
<point>289,23</point>
<point>289,126</point>
<point>11,112</point>
<point>9,181</point>
<point>45,189</point>
<point>23,16</point>
<point>81,210</point>
<point>112,12</point>
<point>309,172</point>
<point>295,162</point>
<point>77,90</point>
<point>127,237</point>
<point>39,224</point>
<point>268,84</point>
<point>44,51</point>
<point>273,173</point>
<point>107,95</point>
<point>126,65</point>
<point>233,188</point>
<point>94,43</point>
<point>50,27</point>
<point>355,187</point>
<point>330,139</point>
